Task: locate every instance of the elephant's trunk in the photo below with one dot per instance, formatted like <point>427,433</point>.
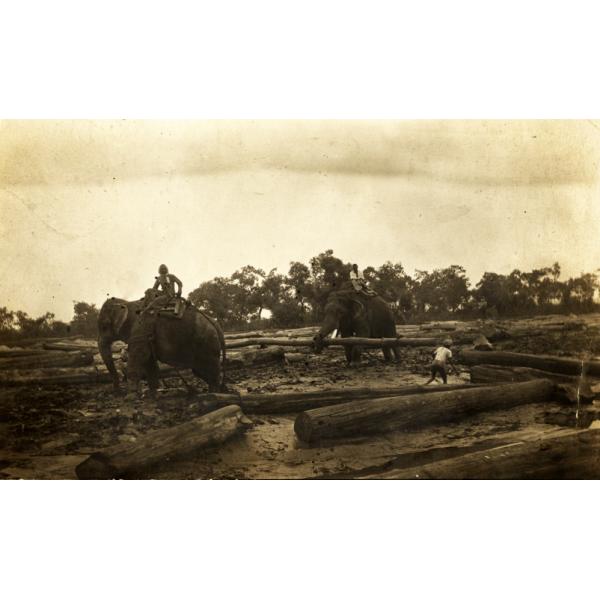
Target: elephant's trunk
<point>330,324</point>
<point>105,347</point>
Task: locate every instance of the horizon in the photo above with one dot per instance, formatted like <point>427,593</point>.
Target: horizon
<point>91,208</point>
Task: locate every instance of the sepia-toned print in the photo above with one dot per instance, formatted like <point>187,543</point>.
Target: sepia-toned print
<point>299,299</point>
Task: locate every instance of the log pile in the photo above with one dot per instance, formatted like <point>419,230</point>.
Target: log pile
<point>135,458</point>
<point>364,417</point>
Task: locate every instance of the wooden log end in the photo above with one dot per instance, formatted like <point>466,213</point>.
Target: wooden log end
<point>96,466</point>
<point>302,427</point>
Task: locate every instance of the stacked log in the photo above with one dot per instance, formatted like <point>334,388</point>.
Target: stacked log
<point>553,364</point>
<point>564,455</point>
<point>135,458</point>
<point>294,402</point>
<point>56,376</point>
<point>250,358</point>
<point>48,359</point>
<point>491,374</point>
<point>349,341</point>
<point>401,412</point>
<point>20,352</point>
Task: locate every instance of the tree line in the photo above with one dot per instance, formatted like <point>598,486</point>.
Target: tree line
<point>252,298</point>
<point>16,325</point>
<point>298,297</point>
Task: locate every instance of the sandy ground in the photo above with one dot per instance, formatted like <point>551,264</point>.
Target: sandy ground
<point>45,433</point>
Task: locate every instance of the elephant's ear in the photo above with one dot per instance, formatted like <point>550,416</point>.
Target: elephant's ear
<point>358,309</point>
<point>121,317</point>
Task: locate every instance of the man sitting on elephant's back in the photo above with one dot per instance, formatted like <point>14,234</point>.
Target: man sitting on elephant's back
<point>166,281</point>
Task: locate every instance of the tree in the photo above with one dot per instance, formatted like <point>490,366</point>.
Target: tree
<point>85,319</point>
<point>442,291</point>
<point>7,320</point>
<point>216,297</point>
<point>392,283</point>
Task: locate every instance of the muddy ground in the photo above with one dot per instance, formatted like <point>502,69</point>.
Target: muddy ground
<point>45,433</point>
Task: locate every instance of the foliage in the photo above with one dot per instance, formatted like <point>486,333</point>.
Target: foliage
<point>252,298</point>
<point>85,319</point>
<point>298,298</point>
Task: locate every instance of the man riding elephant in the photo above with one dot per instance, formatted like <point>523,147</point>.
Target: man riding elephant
<point>166,282</point>
<point>194,341</point>
<point>356,314</point>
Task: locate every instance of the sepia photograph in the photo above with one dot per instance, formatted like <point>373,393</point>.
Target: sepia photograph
<point>299,299</point>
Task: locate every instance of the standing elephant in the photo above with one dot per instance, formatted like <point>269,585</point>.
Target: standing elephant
<point>193,341</point>
<point>115,323</point>
<point>356,314</point>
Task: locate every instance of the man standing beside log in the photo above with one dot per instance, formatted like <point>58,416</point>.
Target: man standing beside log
<point>441,357</point>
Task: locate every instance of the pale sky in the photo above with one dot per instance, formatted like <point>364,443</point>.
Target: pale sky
<point>89,209</point>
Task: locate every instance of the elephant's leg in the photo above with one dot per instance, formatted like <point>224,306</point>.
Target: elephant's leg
<point>387,354</point>
<point>134,388</point>
<point>138,365</point>
<point>105,347</point>
<point>396,354</point>
<point>210,372</point>
<point>348,351</point>
<point>153,378</point>
<point>356,353</point>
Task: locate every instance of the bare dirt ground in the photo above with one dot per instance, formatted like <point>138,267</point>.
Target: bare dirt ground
<point>45,433</point>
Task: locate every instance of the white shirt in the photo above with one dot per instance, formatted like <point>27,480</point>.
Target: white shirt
<point>358,275</point>
<point>442,354</point>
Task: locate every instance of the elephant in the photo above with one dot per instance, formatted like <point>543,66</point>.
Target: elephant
<point>357,314</point>
<point>193,341</point>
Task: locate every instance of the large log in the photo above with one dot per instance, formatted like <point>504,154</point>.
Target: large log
<point>244,343</point>
<point>137,457</point>
<point>349,341</point>
<point>25,342</point>
<point>54,376</point>
<point>49,359</point>
<point>72,346</point>
<point>496,374</point>
<point>388,414</point>
<point>554,364</point>
<point>294,402</point>
<point>563,455</point>
<point>20,352</point>
<point>250,358</point>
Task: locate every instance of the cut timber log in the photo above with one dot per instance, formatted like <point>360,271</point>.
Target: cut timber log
<point>250,358</point>
<point>349,341</point>
<point>147,451</point>
<point>49,359</point>
<point>72,346</point>
<point>21,352</point>
<point>496,374</point>
<point>482,343</point>
<point>388,414</point>
<point>43,377</point>
<point>294,402</point>
<point>564,455</point>
<point>554,364</point>
<point>381,342</point>
<point>26,342</point>
<point>267,342</point>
